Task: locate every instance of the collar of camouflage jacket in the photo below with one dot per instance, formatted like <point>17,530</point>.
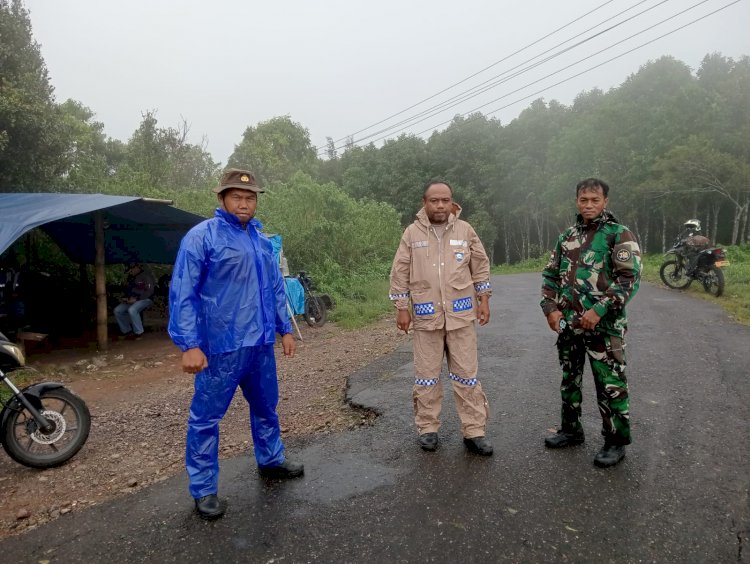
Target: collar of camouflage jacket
<point>605,217</point>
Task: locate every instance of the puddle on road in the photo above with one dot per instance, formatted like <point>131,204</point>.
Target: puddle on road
<point>331,478</point>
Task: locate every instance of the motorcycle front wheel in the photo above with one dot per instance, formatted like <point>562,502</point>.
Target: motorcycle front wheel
<point>27,444</point>
<point>673,274</point>
<point>713,282</point>
<point>315,311</point>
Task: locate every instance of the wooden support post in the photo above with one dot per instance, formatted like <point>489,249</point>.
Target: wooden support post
<point>101,286</point>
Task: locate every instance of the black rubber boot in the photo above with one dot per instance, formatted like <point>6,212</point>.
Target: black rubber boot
<point>564,439</point>
<point>209,507</point>
<point>287,469</point>
<point>428,441</point>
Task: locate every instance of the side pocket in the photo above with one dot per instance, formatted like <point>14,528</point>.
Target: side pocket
<point>616,349</point>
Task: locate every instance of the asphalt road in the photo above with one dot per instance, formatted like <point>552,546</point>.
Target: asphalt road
<point>680,495</point>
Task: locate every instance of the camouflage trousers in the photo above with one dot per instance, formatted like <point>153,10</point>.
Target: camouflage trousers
<point>607,358</point>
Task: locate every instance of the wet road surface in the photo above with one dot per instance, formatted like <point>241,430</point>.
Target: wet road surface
<point>371,495</point>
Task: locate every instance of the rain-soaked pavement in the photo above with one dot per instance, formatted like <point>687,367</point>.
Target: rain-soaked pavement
<point>680,495</point>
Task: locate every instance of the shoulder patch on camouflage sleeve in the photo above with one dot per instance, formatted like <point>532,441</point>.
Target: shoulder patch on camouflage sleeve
<point>623,254</point>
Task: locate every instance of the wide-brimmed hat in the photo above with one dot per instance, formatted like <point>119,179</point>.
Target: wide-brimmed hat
<point>237,178</point>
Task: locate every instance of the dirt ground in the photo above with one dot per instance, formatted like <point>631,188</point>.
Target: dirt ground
<point>139,401</point>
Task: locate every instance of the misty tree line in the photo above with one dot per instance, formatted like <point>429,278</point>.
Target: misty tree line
<point>672,144</point>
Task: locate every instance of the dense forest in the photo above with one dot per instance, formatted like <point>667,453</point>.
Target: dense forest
<point>671,141</point>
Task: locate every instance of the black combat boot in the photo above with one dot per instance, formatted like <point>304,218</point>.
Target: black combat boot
<point>564,439</point>
<point>428,441</point>
<point>609,455</point>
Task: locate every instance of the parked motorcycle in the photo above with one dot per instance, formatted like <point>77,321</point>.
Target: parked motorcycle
<point>679,272</point>
<point>316,310</point>
<point>43,425</point>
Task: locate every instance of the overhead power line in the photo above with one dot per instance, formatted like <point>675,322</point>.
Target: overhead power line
<point>522,49</point>
<point>493,83</point>
<point>432,128</point>
<point>577,74</point>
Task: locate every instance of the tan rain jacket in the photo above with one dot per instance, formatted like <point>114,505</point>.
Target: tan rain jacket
<point>439,279</point>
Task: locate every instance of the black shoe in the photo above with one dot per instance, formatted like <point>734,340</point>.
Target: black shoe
<point>564,439</point>
<point>286,469</point>
<point>479,445</point>
<point>209,507</point>
<point>428,441</point>
<point>609,455</point>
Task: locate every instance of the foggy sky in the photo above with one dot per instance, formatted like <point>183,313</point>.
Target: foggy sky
<point>339,66</point>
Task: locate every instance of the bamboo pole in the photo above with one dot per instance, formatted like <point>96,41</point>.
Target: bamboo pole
<point>101,287</point>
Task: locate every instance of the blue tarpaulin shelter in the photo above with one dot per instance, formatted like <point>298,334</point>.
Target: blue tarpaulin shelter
<point>98,229</point>
<point>135,229</point>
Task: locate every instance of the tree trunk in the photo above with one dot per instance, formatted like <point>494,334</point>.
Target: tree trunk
<point>715,209</point>
<point>740,218</point>
<point>506,241</point>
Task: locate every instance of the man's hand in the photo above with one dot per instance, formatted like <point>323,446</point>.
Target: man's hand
<point>589,320</point>
<point>193,361</point>
<point>403,320</point>
<point>483,310</point>
<point>553,320</point>
<point>288,344</point>
<point>132,300</point>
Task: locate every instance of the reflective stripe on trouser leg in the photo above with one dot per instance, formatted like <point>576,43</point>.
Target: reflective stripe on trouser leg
<point>571,352</point>
<point>471,402</point>
<point>427,394</point>
<point>607,360</point>
<point>472,406</point>
<point>214,389</point>
<point>261,390</point>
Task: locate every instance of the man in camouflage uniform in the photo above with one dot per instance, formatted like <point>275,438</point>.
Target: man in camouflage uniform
<point>593,272</point>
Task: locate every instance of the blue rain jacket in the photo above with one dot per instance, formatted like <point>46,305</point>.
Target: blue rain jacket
<point>227,291</point>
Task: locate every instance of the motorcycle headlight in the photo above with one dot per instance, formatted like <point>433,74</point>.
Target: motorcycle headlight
<point>16,352</point>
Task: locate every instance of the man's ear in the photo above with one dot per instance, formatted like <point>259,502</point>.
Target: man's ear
<point>454,209</point>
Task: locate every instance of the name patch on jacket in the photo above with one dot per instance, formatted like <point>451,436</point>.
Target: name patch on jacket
<point>418,244</point>
<point>462,304</point>
<point>458,243</point>
<point>426,308</point>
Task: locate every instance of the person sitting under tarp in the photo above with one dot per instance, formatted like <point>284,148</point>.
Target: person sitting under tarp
<point>140,288</point>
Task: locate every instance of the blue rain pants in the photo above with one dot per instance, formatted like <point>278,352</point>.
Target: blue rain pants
<point>253,369</point>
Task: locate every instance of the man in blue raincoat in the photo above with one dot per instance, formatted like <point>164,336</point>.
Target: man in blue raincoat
<point>226,304</point>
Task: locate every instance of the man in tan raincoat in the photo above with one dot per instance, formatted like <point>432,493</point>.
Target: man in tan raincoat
<point>440,282</point>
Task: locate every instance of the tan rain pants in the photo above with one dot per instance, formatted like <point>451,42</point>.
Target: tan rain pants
<point>460,347</point>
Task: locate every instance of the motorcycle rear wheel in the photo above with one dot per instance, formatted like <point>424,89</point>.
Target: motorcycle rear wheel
<point>673,274</point>
<point>315,311</point>
<point>28,445</point>
<point>713,282</point>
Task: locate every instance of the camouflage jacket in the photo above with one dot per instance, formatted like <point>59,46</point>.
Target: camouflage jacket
<point>593,266</point>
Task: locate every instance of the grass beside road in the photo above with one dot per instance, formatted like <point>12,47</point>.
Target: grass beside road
<point>736,298</point>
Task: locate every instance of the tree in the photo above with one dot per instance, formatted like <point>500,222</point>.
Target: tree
<point>161,158</point>
<point>32,141</point>
<point>275,149</point>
